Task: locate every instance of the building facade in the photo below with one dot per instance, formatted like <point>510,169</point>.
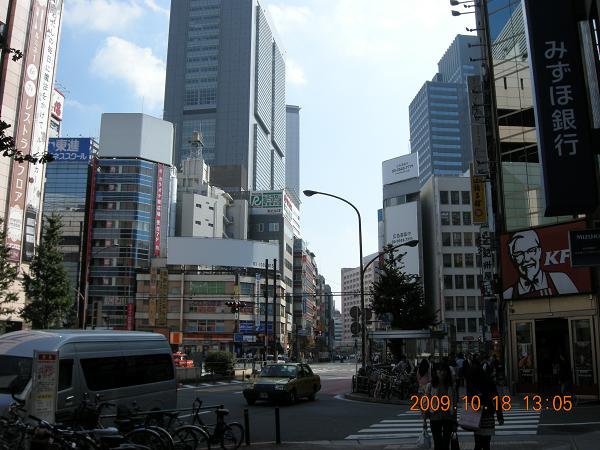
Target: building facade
<point>304,300</point>
<point>292,152</point>
<point>226,78</point>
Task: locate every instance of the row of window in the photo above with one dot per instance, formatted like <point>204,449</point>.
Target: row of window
<point>445,217</point>
<point>461,260</point>
<point>455,197</point>
<point>458,239</point>
<point>458,303</point>
<point>472,324</point>
<point>461,281</point>
<point>272,227</point>
<point>204,326</point>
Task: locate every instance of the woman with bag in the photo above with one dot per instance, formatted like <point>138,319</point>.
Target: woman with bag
<point>481,385</point>
<point>443,423</point>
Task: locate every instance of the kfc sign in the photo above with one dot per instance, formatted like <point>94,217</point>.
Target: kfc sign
<point>537,263</point>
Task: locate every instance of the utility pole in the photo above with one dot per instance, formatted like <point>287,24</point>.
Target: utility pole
<point>266,345</point>
<point>275,309</point>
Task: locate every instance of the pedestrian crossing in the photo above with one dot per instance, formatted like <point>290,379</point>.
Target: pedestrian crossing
<point>409,424</point>
<point>207,385</point>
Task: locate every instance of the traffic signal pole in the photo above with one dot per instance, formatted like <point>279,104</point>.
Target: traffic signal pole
<point>275,309</point>
<point>266,310</point>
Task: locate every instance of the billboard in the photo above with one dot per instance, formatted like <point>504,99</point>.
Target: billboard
<point>585,247</point>
<point>402,225</point>
<point>159,201</point>
<point>479,204</point>
<point>57,104</point>
<point>71,149</point>
<point>400,168</point>
<point>537,263</point>
<point>266,202</point>
<point>561,109</point>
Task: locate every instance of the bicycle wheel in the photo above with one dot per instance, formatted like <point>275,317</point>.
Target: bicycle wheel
<point>190,437</point>
<point>165,436</point>
<point>232,436</point>
<point>146,437</point>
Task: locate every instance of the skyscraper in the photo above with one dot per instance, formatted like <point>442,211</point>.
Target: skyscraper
<point>440,131</point>
<point>226,78</point>
<point>292,155</point>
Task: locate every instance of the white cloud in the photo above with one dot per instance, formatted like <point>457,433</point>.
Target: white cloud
<point>101,15</point>
<point>294,73</point>
<point>82,107</point>
<point>157,8</point>
<point>288,17</point>
<point>122,60</point>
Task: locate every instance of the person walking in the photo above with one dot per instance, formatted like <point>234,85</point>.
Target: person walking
<point>442,420</point>
<point>481,385</point>
<point>423,375</point>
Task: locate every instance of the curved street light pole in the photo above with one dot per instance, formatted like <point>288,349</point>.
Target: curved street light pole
<point>363,321</point>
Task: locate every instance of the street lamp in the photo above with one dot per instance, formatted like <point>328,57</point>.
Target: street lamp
<point>87,282</point>
<point>363,320</point>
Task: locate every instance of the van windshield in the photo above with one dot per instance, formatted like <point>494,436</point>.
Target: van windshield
<point>14,370</point>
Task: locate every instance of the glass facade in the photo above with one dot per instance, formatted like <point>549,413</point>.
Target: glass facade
<point>123,234</point>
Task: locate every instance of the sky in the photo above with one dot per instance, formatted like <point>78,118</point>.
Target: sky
<point>353,66</point>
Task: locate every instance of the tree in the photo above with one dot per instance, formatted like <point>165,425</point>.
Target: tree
<point>400,296</point>
<point>8,275</point>
<point>47,287</point>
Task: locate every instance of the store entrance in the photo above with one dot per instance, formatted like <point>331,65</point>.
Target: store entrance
<point>553,353</point>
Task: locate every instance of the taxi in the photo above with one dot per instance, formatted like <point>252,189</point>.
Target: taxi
<point>283,382</point>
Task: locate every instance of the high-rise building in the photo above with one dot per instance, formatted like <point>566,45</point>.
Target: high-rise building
<point>226,78</point>
<point>131,211</point>
<point>440,132</point>
<point>292,152</point>
<point>338,325</point>
<point>25,100</point>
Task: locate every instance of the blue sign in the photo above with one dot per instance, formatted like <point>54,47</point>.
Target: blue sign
<point>70,149</point>
<point>261,328</point>
<point>247,326</point>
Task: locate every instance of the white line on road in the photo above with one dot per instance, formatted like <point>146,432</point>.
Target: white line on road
<point>567,424</point>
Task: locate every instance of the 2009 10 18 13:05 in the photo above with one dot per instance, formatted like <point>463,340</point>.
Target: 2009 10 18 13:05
<point>505,403</point>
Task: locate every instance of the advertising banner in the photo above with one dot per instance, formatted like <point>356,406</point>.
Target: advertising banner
<point>162,303</point>
<point>39,143</point>
<point>400,168</point>
<point>44,385</point>
<point>561,110</point>
<point>24,128</point>
<point>585,248</point>
<point>402,225</point>
<point>479,204</point>
<point>266,202</point>
<point>71,149</point>
<point>130,316</point>
<point>157,218</point>
<point>537,263</point>
<point>58,104</point>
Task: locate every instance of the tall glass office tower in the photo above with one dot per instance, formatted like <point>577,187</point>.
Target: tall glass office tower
<point>440,128</point>
<point>226,78</point>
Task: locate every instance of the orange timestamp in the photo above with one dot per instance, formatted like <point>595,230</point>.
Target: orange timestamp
<point>434,403</point>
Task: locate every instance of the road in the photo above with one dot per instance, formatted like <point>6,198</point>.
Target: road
<point>332,417</point>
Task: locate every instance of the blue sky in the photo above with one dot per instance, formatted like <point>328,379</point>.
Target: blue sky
<point>353,66</point>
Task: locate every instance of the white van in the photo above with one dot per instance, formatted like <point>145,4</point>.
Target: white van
<point>121,366</point>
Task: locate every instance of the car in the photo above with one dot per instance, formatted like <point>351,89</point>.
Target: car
<point>283,382</point>
<point>182,360</point>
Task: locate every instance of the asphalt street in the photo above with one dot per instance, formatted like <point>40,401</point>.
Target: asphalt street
<point>332,417</point>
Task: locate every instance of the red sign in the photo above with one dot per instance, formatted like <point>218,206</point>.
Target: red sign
<point>58,101</point>
<point>24,130</point>
<point>159,195</point>
<point>537,263</point>
<point>130,317</point>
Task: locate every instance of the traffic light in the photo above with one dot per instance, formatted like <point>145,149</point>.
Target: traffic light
<point>235,305</point>
<point>355,327</point>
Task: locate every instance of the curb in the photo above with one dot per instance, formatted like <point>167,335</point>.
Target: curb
<point>366,399</point>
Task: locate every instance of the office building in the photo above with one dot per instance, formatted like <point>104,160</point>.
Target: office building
<point>292,153</point>
<point>338,326</point>
<point>304,308</point>
<point>226,79</point>
<point>131,212</point>
<point>439,133</point>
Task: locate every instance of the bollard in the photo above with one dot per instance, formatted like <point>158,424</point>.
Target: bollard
<point>246,426</point>
<point>277,426</point>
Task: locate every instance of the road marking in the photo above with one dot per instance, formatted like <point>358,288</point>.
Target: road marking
<point>567,424</point>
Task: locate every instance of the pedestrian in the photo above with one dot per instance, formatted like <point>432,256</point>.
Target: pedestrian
<point>460,374</point>
<point>480,384</point>
<point>442,419</point>
<point>423,375</point>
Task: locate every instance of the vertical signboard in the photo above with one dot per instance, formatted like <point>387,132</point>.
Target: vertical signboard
<point>162,303</point>
<point>24,130</point>
<point>157,218</point>
<point>130,316</point>
<point>401,226</point>
<point>561,110</point>
<point>44,385</point>
<point>58,104</point>
<point>479,205</point>
<point>39,142</point>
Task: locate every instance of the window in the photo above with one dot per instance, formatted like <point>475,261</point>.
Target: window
<point>447,281</point>
<point>260,227</point>
<point>274,226</point>
<point>459,282</point>
<point>460,324</point>
<point>449,303</point>
<point>457,239</point>
<point>458,260</point>
<point>454,198</point>
<point>445,217</point>
<point>121,371</point>
<point>468,239</point>
<point>470,281</point>
<point>460,303</point>
<point>198,205</point>
<point>472,322</point>
<point>197,222</point>
<point>477,239</point>
<point>455,218</point>
<point>478,259</point>
<point>450,321</point>
<point>466,197</point>
<point>479,280</point>
<point>446,241</point>
<point>65,374</point>
<point>468,259</point>
<point>444,197</point>
<point>447,257</point>
<point>471,303</point>
<point>466,218</point>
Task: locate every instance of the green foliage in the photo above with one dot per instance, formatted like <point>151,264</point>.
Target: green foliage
<point>400,296</point>
<point>219,363</point>
<point>46,286</point>
<point>8,275</point>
